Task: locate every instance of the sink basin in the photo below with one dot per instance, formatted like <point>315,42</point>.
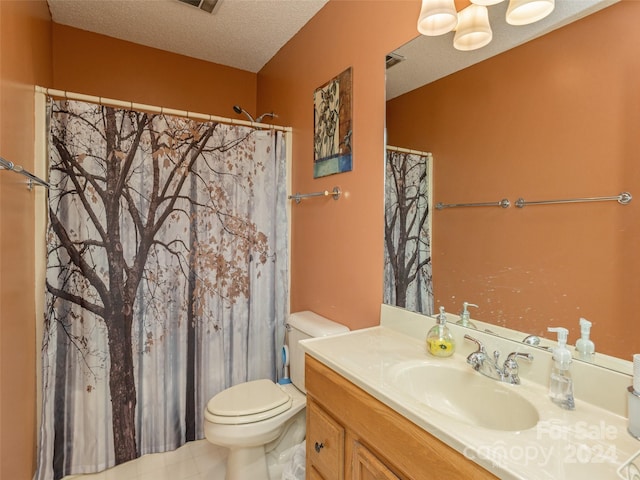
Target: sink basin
<point>464,395</point>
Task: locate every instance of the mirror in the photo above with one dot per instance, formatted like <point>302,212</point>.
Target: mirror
<point>554,118</point>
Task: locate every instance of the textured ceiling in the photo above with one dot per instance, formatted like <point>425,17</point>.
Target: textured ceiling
<point>244,34</point>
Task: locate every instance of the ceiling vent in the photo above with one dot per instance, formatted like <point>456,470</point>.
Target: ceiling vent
<point>206,5</point>
<point>394,59</point>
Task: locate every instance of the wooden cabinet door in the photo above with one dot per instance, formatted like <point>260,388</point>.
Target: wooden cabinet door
<point>312,473</point>
<point>366,466</point>
<point>325,444</point>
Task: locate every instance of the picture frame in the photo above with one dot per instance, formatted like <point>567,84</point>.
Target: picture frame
<point>333,137</point>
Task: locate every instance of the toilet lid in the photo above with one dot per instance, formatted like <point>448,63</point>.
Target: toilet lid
<point>259,399</point>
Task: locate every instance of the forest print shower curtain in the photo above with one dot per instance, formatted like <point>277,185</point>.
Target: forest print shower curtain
<point>407,233</point>
<point>166,278</point>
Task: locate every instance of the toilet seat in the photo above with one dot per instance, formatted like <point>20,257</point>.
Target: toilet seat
<point>248,402</point>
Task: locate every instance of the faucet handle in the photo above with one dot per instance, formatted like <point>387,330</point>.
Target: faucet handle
<point>496,356</point>
<point>477,342</point>
<point>477,358</point>
<point>513,355</point>
<point>510,368</point>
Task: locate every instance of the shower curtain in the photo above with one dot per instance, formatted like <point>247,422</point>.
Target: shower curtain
<point>407,246</point>
<point>166,282</point>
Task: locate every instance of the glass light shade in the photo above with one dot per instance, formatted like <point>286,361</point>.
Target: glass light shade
<point>473,30</point>
<point>523,12</point>
<point>437,17</point>
<point>486,3</point>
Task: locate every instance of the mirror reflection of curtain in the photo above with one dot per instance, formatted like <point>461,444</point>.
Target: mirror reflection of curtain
<point>166,278</point>
<point>407,252</point>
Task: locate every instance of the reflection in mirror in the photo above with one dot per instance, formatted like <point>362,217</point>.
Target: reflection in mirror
<point>554,118</point>
<point>407,225</point>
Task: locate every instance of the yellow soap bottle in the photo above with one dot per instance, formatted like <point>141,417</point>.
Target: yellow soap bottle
<point>440,341</point>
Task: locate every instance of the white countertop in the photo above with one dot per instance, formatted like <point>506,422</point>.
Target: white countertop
<point>586,443</point>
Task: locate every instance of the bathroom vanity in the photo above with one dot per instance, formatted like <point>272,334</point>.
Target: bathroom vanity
<point>352,435</point>
<point>380,407</point>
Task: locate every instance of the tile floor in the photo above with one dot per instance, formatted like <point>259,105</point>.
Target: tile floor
<point>197,460</point>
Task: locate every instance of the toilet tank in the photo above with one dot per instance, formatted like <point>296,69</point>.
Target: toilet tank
<point>303,325</point>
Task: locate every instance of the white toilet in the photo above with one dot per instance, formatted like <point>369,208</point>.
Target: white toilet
<point>260,421</point>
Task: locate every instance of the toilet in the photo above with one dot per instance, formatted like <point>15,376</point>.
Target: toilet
<point>261,422</point>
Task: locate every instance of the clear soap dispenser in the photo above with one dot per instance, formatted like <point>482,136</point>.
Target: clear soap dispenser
<point>440,341</point>
<point>560,383</point>
<point>584,346</point>
<point>465,316</point>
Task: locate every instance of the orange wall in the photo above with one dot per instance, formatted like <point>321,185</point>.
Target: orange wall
<point>98,65</point>
<point>579,137</point>
<point>25,38</point>
<point>337,246</point>
<point>37,52</point>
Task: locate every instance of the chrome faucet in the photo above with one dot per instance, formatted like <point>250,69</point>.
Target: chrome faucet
<point>482,362</point>
<point>533,340</point>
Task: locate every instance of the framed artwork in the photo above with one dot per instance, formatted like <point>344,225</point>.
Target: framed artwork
<point>332,139</point>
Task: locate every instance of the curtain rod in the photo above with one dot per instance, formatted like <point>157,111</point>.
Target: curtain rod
<point>408,150</point>
<point>155,109</point>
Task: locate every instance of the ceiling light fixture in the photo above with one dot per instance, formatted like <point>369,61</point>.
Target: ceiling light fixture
<point>523,12</point>
<point>437,17</point>
<point>473,30</point>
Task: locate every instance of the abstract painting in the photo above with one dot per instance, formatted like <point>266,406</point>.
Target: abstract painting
<point>332,126</point>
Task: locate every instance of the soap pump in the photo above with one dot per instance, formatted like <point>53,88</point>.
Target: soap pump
<point>440,341</point>
<point>560,383</point>
<point>585,346</point>
<point>465,316</point>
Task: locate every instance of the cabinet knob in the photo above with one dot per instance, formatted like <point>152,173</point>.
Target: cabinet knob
<point>319,446</point>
